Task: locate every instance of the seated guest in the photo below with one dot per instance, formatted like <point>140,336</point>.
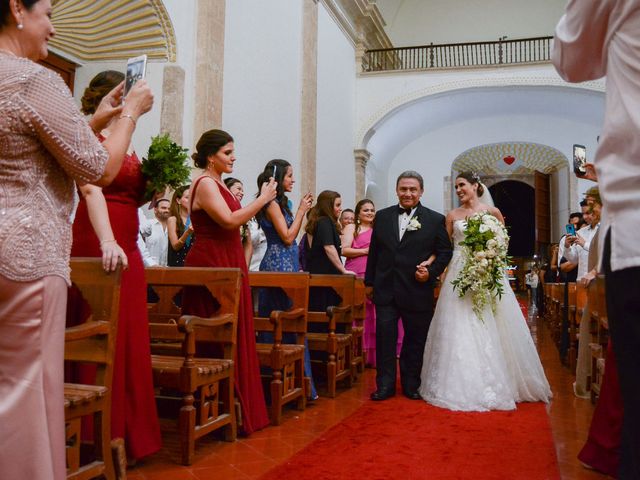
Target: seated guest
<point>154,232</point>
<point>179,228</point>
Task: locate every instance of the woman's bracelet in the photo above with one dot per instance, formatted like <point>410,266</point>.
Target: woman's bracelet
<point>130,117</point>
<point>102,242</point>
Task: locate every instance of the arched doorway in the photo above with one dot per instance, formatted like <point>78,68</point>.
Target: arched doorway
<point>516,201</point>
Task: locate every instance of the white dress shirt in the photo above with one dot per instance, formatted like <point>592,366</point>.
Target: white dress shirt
<point>259,244</point>
<point>580,254</point>
<point>596,38</point>
<point>403,220</point>
<point>156,239</point>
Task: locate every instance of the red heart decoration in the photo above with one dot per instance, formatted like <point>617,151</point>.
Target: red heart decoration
<point>509,159</point>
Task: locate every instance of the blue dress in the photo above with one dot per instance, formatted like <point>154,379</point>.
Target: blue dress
<point>280,258</point>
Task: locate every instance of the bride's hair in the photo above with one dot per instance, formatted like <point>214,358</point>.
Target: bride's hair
<point>473,178</point>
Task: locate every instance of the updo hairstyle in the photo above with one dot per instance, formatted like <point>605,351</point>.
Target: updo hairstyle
<point>473,178</point>
<point>98,87</point>
<point>209,144</point>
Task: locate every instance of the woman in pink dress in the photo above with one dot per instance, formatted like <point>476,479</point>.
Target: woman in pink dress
<point>356,238</point>
<point>217,216</point>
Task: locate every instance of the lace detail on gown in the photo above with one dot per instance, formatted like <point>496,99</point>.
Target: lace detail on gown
<point>472,365</point>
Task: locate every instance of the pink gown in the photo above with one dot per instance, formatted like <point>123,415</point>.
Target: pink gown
<point>358,265</point>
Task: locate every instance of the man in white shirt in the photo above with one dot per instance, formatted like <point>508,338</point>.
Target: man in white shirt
<point>579,245</point>
<point>593,39</point>
<point>154,232</point>
<point>568,270</point>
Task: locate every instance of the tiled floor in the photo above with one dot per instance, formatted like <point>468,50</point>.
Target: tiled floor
<point>251,457</point>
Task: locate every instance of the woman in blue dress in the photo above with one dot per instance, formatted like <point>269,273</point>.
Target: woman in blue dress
<point>281,228</point>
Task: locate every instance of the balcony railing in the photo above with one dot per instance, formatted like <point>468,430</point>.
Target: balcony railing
<point>458,55</point>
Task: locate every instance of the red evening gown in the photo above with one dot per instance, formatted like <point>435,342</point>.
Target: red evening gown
<point>215,246</point>
<point>134,416</point>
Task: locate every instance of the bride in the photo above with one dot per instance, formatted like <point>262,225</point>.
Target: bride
<point>472,364</point>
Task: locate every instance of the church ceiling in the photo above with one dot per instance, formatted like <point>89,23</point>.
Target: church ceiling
<point>113,29</point>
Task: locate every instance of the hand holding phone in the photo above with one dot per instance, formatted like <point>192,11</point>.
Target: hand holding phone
<point>570,228</point>
<point>136,70</point>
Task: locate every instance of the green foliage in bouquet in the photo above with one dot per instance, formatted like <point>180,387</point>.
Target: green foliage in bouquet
<point>165,165</point>
<point>485,258</point>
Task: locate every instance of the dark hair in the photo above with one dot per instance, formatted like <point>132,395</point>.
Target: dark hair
<point>410,174</point>
<point>155,205</point>
<point>347,210</point>
<point>575,215</point>
<point>322,208</point>
<point>231,181</point>
<point>98,87</point>
<point>5,9</point>
<point>175,207</point>
<point>473,178</point>
<point>281,167</point>
<point>209,143</point>
<point>359,206</point>
<point>583,203</point>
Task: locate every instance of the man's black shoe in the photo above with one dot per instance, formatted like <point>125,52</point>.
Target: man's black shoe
<point>413,395</point>
<point>380,395</point>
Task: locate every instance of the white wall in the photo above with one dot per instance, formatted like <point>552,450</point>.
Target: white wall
<point>433,153</point>
<point>336,110</point>
<point>420,22</point>
<point>262,84</point>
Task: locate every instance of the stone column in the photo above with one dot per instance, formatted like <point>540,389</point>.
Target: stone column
<point>172,114</point>
<point>209,66</point>
<point>362,157</point>
<point>309,113</point>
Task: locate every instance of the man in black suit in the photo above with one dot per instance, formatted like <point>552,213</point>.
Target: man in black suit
<point>401,285</point>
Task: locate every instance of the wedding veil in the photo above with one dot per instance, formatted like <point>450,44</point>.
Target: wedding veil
<point>486,197</point>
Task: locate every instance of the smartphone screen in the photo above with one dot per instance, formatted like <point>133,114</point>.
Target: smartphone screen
<point>579,160</point>
<point>136,69</point>
<point>570,229</point>
<point>275,168</point>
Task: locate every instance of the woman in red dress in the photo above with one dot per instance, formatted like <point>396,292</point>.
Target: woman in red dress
<point>106,225</point>
<point>217,216</point>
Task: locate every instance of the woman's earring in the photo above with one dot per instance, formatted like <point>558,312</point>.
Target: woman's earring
<point>20,26</point>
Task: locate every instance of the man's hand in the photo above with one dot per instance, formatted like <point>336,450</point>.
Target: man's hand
<point>422,274</point>
<point>368,291</point>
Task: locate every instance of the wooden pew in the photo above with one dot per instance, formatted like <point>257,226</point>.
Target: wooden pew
<point>92,342</point>
<point>286,360</point>
<point>357,330</point>
<point>205,385</point>
<point>334,348</point>
<point>577,305</point>
<point>599,334</point>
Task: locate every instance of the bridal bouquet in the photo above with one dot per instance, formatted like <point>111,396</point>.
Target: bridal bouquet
<point>164,165</point>
<point>485,249</point>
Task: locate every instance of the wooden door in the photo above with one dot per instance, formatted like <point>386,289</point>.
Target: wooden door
<point>64,67</point>
<point>543,211</point>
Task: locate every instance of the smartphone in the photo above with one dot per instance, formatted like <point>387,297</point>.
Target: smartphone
<point>579,160</point>
<point>570,229</point>
<point>275,168</point>
<point>136,70</point>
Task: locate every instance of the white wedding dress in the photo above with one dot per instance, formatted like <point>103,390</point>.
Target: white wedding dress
<point>479,365</point>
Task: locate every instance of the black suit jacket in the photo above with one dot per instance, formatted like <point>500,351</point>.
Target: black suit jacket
<point>392,262</point>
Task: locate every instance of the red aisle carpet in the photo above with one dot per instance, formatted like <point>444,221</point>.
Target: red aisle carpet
<point>405,439</point>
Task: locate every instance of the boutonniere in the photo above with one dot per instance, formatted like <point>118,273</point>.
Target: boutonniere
<point>414,224</point>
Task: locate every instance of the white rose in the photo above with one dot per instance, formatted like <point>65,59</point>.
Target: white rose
<point>492,243</point>
<point>479,255</point>
<point>484,263</point>
<point>483,228</point>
